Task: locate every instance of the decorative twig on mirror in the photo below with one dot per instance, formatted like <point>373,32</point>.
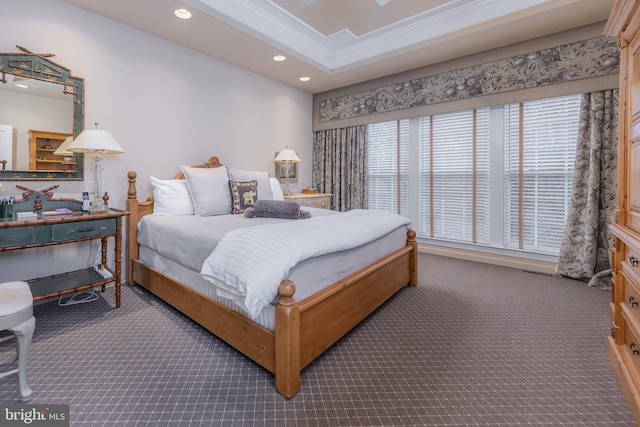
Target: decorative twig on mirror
<point>43,55</point>
<point>48,196</point>
<point>32,190</point>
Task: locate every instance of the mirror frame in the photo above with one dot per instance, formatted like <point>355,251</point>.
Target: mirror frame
<point>38,67</point>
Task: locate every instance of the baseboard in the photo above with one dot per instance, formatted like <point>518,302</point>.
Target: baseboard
<point>537,266</point>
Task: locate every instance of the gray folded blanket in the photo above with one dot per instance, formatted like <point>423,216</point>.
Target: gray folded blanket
<point>276,209</point>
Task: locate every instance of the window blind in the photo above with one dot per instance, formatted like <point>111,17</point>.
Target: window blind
<point>457,190</point>
<point>388,157</point>
<point>454,176</point>
<point>540,154</point>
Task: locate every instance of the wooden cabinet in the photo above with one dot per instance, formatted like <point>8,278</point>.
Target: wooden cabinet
<point>317,200</point>
<point>42,145</point>
<point>624,342</point>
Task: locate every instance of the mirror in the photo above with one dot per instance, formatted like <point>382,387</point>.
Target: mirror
<point>41,105</point>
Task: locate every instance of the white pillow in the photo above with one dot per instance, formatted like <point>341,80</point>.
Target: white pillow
<point>276,189</point>
<point>264,186</point>
<point>171,197</point>
<point>209,189</point>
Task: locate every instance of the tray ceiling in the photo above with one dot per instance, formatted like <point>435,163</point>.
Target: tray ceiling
<point>337,42</point>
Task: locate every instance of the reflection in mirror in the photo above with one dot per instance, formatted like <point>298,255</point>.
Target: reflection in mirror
<point>40,107</point>
<point>28,106</point>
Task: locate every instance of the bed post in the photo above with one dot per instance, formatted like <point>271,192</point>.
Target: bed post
<point>287,342</point>
<point>132,225</point>
<point>413,266</point>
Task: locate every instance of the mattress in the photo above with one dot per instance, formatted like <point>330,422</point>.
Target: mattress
<point>182,260</point>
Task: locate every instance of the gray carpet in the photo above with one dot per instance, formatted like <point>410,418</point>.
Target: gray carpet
<point>472,345</point>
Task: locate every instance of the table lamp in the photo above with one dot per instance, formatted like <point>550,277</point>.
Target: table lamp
<point>62,150</point>
<point>96,142</point>
<point>287,157</point>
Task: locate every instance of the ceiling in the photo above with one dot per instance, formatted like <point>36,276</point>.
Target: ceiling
<point>337,43</point>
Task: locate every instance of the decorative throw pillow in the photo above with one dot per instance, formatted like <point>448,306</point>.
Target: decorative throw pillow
<point>209,190</point>
<point>171,197</point>
<point>243,195</point>
<point>263,186</point>
<point>275,209</point>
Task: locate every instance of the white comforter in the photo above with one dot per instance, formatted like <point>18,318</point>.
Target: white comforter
<point>248,264</point>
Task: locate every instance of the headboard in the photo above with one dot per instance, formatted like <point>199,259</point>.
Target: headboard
<point>212,163</point>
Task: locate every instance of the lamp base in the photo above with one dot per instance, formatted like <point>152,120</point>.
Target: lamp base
<point>287,172</point>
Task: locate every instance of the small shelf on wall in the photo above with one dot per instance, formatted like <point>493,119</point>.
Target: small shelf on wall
<point>42,145</point>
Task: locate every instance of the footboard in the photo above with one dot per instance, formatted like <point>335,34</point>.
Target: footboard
<point>306,329</point>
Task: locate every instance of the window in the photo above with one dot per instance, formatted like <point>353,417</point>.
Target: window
<point>454,172</point>
<point>535,217</point>
<point>388,145</point>
<point>498,176</point>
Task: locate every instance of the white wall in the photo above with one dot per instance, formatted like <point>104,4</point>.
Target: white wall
<point>166,105</point>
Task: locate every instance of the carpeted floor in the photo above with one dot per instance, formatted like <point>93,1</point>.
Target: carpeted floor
<point>472,345</point>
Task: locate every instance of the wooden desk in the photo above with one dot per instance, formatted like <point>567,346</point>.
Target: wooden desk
<point>22,235</point>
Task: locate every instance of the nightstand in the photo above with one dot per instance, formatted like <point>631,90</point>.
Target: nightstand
<point>317,200</point>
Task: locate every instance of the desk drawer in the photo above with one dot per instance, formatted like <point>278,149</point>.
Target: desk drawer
<point>83,229</point>
<point>17,236</point>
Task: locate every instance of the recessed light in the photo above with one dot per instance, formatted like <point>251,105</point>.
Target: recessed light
<point>182,13</point>
<point>305,79</point>
<point>22,85</point>
<point>279,58</point>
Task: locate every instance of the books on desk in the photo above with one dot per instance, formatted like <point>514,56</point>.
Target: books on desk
<point>57,213</point>
<point>23,216</point>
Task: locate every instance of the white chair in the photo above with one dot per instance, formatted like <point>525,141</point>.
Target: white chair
<point>16,316</point>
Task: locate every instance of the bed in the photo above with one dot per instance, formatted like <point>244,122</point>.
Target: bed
<point>304,319</point>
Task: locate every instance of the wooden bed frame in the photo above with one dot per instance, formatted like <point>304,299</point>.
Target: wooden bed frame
<point>303,329</point>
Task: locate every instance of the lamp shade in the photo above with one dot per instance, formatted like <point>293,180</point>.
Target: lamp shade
<point>63,148</point>
<point>287,155</point>
<point>95,140</point>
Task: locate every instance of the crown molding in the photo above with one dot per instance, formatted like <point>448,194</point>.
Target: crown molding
<point>341,50</point>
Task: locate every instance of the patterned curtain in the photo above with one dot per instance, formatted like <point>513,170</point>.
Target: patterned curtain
<point>340,166</point>
<point>586,244</point>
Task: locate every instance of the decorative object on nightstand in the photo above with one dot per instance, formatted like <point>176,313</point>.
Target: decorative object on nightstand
<point>310,200</point>
<point>96,142</point>
<point>287,157</point>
